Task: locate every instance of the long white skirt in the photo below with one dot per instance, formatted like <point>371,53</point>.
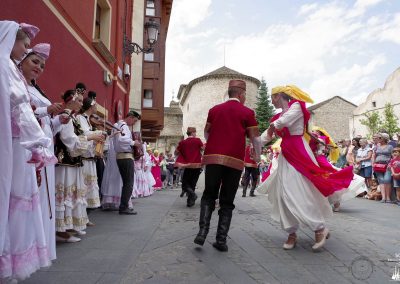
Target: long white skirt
<point>356,187</point>
<point>25,249</point>
<point>49,224</point>
<point>70,199</point>
<point>295,200</point>
<point>150,182</point>
<point>111,186</point>
<point>90,178</point>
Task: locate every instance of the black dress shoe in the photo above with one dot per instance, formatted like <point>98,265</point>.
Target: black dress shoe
<point>220,246</point>
<point>182,194</point>
<point>191,201</point>
<point>128,211</point>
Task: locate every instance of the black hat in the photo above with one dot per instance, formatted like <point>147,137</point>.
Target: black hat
<point>92,95</point>
<point>80,85</point>
<point>133,114</point>
<point>68,95</point>
<point>87,103</point>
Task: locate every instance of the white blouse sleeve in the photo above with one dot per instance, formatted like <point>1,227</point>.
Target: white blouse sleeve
<point>76,145</point>
<point>293,114</point>
<point>55,124</point>
<point>125,140</point>
<point>41,112</point>
<point>265,138</point>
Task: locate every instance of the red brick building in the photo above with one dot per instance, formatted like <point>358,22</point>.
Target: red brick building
<point>86,40</point>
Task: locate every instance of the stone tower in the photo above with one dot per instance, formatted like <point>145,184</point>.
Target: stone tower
<point>202,93</point>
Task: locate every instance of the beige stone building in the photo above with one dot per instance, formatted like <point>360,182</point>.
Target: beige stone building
<point>333,115</point>
<point>204,92</point>
<point>172,132</point>
<point>375,101</point>
<point>135,95</point>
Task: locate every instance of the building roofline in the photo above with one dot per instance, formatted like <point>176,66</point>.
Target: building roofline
<point>214,75</point>
<point>318,105</point>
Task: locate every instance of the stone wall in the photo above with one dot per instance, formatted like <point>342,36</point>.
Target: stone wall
<point>334,116</point>
<point>172,132</point>
<point>376,101</point>
<point>206,94</point>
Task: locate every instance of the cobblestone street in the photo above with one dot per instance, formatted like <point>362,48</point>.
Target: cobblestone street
<point>156,246</point>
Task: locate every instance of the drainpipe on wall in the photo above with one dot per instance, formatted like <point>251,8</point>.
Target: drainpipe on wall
<point>115,71</point>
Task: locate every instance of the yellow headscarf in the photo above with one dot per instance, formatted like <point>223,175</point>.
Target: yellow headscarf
<point>334,152</point>
<point>294,92</point>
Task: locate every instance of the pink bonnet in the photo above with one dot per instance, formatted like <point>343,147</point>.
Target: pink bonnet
<point>30,30</point>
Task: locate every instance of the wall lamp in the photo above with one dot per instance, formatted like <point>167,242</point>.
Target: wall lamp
<point>151,28</point>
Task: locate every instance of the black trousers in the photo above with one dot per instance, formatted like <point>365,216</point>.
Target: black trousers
<point>126,169</point>
<point>221,181</point>
<point>253,173</point>
<point>100,166</point>
<point>190,178</point>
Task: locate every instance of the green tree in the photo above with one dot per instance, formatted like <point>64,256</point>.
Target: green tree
<point>264,109</point>
<point>390,120</point>
<point>372,121</point>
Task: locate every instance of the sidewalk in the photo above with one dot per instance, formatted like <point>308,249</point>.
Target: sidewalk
<point>156,246</point>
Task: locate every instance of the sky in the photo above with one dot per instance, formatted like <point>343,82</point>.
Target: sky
<point>328,48</point>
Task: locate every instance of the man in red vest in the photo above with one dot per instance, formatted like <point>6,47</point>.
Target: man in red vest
<point>189,158</point>
<point>250,170</point>
<point>227,126</point>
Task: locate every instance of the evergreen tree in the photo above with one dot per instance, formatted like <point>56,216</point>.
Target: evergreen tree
<point>390,121</point>
<point>264,108</point>
<point>373,122</point>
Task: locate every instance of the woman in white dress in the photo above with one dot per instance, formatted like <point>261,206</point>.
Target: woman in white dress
<point>112,181</point>
<point>141,186</point>
<point>149,190</point>
<point>298,188</point>
<point>89,162</point>
<point>32,67</point>
<point>70,145</point>
<point>24,249</point>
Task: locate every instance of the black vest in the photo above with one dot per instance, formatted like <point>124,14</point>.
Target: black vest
<point>61,151</point>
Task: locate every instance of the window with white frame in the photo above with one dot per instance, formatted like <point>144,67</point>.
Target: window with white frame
<point>148,98</point>
<point>102,22</point>
<point>149,56</point>
<point>150,8</point>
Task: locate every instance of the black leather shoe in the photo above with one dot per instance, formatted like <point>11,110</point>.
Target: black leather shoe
<point>182,194</point>
<point>128,211</point>
<point>191,200</point>
<point>199,240</point>
<point>220,246</point>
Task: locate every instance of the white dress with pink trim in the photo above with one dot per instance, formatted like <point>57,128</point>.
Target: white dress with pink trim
<point>150,181</point>
<point>139,179</point>
<point>25,249</point>
<point>294,198</point>
<point>50,127</point>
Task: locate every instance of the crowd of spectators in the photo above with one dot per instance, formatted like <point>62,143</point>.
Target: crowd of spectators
<point>378,161</point>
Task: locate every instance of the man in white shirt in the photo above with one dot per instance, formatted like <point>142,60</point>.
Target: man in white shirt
<point>123,144</point>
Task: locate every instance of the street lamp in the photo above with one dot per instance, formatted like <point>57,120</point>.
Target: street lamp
<point>151,28</point>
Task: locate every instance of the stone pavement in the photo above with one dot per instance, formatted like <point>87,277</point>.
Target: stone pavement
<point>156,246</point>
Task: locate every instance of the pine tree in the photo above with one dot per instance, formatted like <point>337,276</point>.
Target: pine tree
<point>373,122</point>
<point>264,109</point>
<point>390,121</point>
